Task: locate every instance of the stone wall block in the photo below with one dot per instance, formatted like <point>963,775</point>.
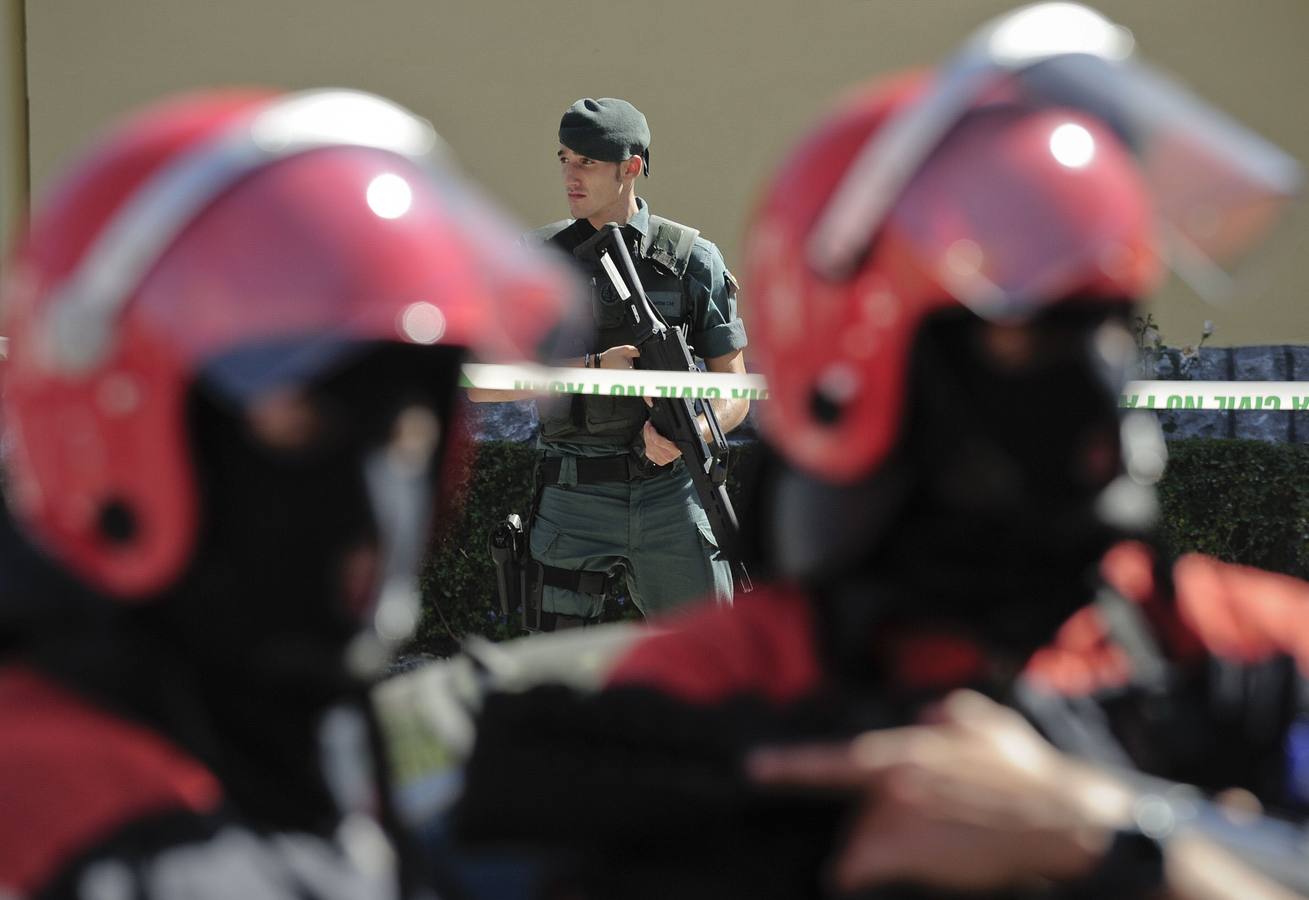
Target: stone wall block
<point>1265,363</point>
<point>1297,369</point>
<point>1213,364</point>
<point>512,421</point>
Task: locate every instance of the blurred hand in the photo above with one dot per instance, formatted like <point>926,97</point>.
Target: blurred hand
<point>972,799</point>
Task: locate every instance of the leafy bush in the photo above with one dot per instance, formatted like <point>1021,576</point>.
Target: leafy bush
<point>1241,501</point>
<point>458,582</point>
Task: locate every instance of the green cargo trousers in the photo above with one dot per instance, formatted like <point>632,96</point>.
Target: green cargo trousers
<point>655,530</point>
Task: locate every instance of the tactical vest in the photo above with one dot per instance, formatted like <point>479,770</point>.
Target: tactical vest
<point>661,260</point>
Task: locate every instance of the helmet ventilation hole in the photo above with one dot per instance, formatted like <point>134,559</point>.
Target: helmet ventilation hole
<point>824,407</point>
<point>117,522</point>
<point>836,387</point>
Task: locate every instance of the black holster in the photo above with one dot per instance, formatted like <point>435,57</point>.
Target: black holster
<point>518,578</point>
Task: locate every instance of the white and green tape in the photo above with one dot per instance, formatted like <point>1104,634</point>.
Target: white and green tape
<point>1205,395</point>
<point>1216,395</point>
<point>615,382</point>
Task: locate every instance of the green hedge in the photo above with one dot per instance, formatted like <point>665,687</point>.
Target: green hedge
<point>1242,501</point>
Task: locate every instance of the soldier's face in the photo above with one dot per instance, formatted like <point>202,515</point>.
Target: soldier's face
<point>592,186</point>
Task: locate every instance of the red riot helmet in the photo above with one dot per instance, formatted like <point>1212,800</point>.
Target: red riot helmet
<point>254,237</point>
<point>1040,177</point>
<point>992,195</point>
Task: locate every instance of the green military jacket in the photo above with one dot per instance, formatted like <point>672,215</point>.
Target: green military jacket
<point>686,279</point>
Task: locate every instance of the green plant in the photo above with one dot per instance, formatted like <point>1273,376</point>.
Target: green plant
<point>1151,348</point>
<point>1149,341</point>
<point>458,581</point>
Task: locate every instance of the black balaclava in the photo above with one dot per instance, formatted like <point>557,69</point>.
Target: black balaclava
<point>263,610</point>
<point>239,659</point>
<point>985,519</point>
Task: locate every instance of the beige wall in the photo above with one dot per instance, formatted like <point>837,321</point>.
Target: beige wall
<point>726,84</point>
<point>13,120</point>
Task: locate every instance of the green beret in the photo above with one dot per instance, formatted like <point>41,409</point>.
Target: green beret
<point>606,129</point>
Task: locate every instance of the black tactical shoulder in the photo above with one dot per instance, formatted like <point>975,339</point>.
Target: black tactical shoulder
<point>669,243</point>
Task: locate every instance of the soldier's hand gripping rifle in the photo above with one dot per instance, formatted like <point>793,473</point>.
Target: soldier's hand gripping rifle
<point>664,348</point>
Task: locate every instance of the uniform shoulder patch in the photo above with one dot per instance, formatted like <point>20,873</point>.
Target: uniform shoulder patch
<point>733,286</point>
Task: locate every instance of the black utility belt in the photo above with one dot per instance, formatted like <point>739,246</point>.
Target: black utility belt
<point>601,469</point>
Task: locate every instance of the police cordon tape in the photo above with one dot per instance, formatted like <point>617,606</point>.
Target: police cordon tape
<point>1210,395</point>
<point>615,382</point>
<point>1213,395</point>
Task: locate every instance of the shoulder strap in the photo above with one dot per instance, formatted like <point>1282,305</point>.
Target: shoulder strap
<point>669,243</point>
<point>545,232</point>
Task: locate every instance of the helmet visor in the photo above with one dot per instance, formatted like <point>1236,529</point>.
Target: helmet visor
<point>1217,188</point>
<point>316,221</point>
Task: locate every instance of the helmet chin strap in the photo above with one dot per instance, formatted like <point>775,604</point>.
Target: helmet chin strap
<point>400,494</point>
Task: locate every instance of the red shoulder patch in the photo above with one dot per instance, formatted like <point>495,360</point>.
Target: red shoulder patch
<point>71,774</point>
<point>1243,614</point>
<point>764,645</point>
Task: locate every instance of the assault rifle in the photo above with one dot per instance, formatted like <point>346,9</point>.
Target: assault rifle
<point>664,348</point>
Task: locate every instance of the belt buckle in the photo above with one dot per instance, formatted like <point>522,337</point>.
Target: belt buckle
<point>640,468</point>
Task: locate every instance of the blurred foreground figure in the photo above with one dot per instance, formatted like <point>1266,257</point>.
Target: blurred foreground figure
<point>235,333</point>
<point>943,274</point>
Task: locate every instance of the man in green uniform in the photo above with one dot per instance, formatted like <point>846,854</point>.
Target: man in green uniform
<point>600,508</point>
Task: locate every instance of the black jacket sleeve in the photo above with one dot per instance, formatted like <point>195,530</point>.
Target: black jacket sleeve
<point>642,795</point>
